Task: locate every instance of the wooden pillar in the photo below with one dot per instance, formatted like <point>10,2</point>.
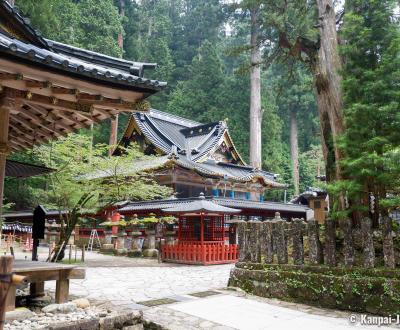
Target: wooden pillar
<point>5,106</point>
<point>62,290</point>
<point>179,229</point>
<point>203,247</point>
<point>113,134</point>
<point>36,289</point>
<point>6,264</point>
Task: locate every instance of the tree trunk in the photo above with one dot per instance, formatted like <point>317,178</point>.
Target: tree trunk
<point>255,92</point>
<point>327,82</point>
<point>114,120</point>
<point>294,151</point>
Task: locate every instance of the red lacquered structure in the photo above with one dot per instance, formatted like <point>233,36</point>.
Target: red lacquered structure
<point>201,234</point>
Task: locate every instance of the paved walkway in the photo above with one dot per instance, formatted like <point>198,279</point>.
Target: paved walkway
<point>137,283</point>
<point>126,281</point>
<point>231,310</point>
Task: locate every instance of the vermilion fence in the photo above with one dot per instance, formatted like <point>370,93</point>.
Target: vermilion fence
<point>207,253</point>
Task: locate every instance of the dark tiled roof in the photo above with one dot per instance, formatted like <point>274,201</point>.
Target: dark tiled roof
<point>227,202</point>
<point>78,62</point>
<point>166,131</point>
<point>23,170</point>
<point>198,205</point>
<point>311,192</point>
<point>23,23</point>
<point>208,168</point>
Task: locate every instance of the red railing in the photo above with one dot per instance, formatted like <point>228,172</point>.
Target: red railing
<point>207,253</point>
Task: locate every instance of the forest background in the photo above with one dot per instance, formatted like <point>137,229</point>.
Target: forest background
<point>193,42</point>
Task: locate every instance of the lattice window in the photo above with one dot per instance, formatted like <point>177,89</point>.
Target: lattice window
<point>213,229</point>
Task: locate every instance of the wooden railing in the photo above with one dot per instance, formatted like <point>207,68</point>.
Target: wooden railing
<point>196,253</point>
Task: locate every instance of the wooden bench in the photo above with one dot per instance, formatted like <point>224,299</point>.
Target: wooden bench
<point>39,272</point>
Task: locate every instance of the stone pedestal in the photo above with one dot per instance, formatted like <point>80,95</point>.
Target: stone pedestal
<point>136,250</point>
<point>169,237</point>
<point>107,248</point>
<point>121,240</point>
<point>149,246</point>
<point>107,236</point>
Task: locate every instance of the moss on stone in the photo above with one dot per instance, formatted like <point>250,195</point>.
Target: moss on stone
<point>363,290</point>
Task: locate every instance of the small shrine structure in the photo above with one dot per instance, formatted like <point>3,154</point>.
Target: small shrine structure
<point>201,234</point>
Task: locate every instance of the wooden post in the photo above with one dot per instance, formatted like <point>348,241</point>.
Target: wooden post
<point>6,265</point>
<point>113,134</point>
<point>62,288</point>
<point>83,253</point>
<point>36,289</point>
<point>5,107</point>
<point>70,253</point>
<point>203,252</point>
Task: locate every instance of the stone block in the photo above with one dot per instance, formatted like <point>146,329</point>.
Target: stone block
<point>81,303</point>
<point>19,314</point>
<point>92,324</point>
<point>150,253</point>
<point>60,308</point>
<point>134,327</point>
<point>121,320</point>
<point>135,254</point>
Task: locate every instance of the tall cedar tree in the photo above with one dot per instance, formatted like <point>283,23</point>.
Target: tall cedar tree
<point>371,80</point>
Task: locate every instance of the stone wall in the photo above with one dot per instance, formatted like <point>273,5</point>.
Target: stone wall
<point>375,291</point>
<point>336,243</point>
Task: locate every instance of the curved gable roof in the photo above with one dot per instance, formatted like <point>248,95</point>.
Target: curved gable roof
<point>167,131</point>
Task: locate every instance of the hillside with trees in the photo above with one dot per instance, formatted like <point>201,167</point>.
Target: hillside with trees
<point>208,50</point>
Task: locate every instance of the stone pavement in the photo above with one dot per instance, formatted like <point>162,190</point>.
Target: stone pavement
<point>132,283</point>
<point>125,281</point>
<point>236,310</point>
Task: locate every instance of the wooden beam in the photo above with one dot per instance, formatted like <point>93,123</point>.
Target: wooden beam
<point>38,84</point>
<point>29,125</point>
<point>27,133</point>
<point>77,123</point>
<point>40,122</point>
<point>104,88</point>
<point>21,138</point>
<point>84,116</point>
<point>11,76</point>
<point>15,147</point>
<point>104,112</point>
<point>20,142</point>
<point>50,117</point>
<point>56,90</point>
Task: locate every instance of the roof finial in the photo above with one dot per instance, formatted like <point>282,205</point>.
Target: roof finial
<point>174,152</point>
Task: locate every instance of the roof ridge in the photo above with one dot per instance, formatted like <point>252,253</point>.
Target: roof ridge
<point>172,118</point>
<point>25,23</point>
<point>134,67</point>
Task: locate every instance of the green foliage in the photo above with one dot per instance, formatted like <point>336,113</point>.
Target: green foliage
<point>83,169</point>
<point>371,81</point>
<point>89,24</point>
<point>193,42</point>
<point>200,96</point>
